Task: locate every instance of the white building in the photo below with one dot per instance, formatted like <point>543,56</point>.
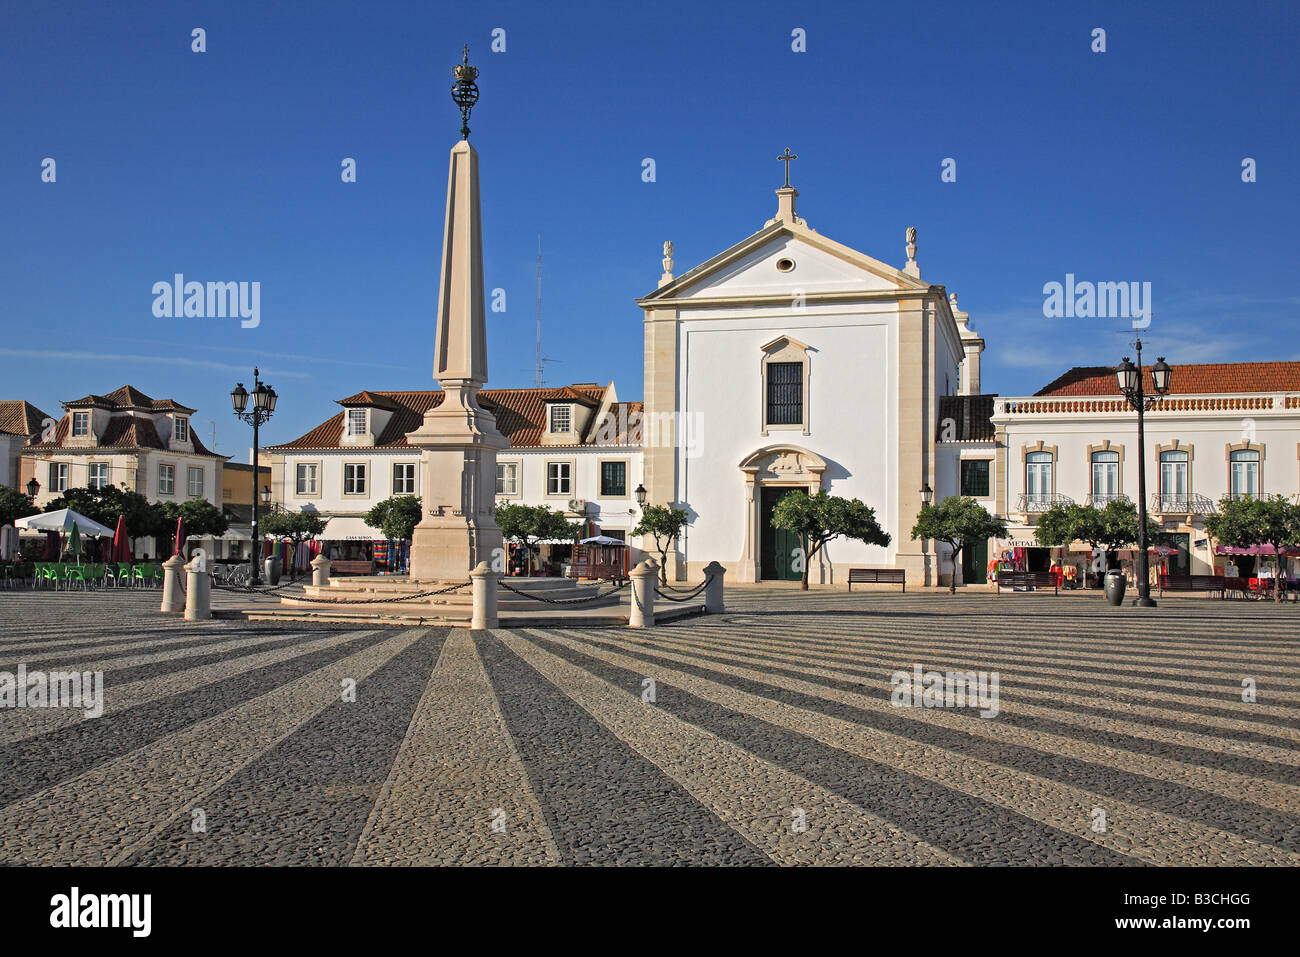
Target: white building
<point>790,361</point>
<point>569,449</point>
<point>1225,429</point>
<point>129,440</point>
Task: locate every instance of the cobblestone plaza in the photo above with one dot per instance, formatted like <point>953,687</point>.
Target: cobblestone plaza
<point>768,735</point>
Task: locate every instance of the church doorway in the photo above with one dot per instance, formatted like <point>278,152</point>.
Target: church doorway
<point>778,546</point>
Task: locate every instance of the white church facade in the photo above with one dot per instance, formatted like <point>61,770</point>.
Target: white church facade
<point>795,362</point>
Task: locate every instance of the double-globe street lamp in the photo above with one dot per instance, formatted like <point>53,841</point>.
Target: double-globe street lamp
<point>263,406</point>
<point>1129,377</point>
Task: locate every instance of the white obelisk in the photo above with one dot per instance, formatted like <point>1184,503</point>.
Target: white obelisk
<point>459,440</point>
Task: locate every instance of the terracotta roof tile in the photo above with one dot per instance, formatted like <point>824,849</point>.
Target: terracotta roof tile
<point>20,417</point>
<point>1208,378</point>
<point>123,432</point>
<point>520,414</point>
<point>128,397</point>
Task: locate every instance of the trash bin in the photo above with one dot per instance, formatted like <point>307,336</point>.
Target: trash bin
<point>1116,583</point>
<point>271,572</point>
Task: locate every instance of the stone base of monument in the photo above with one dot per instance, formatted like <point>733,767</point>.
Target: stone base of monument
<point>454,608</point>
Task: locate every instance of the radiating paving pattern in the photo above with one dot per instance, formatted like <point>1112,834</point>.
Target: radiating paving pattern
<point>763,736</point>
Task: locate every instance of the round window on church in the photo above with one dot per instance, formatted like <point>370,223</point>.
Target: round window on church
<point>784,265</point>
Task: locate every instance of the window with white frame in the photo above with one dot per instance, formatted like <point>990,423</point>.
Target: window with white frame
<point>98,475</point>
<point>182,429</point>
<point>166,479</point>
<point>58,480</point>
<point>1105,475</point>
<point>1038,478</point>
<point>356,421</point>
<point>195,485</point>
<point>306,479</point>
<point>1243,468</point>
<point>507,478</point>
<point>403,478</point>
<point>1174,487</point>
<point>561,418</point>
<point>559,478</point>
<point>354,478</point>
<point>80,423</point>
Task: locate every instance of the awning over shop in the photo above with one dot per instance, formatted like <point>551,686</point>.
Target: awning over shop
<point>348,529</point>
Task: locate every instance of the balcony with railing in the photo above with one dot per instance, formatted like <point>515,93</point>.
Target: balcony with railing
<point>1035,503</point>
<point>1181,503</point>
<point>1102,499</point>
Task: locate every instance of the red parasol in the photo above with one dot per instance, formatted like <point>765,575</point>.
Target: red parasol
<point>180,534</point>
<point>121,541</point>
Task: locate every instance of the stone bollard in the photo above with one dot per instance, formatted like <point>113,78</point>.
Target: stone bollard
<point>485,597</point>
<point>173,597</point>
<point>198,591</point>
<point>713,590</point>
<point>642,613</point>
<point>320,571</point>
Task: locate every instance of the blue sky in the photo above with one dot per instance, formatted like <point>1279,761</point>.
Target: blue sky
<point>225,165</point>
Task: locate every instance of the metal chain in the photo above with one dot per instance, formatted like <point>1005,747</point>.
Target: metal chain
<point>276,593</point>
<point>685,597</point>
<point>671,588</point>
<point>566,601</point>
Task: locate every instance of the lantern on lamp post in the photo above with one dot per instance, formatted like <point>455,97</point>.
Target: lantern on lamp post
<point>264,398</point>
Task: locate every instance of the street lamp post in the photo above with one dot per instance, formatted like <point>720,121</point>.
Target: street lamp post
<point>263,406</point>
<point>1129,377</point>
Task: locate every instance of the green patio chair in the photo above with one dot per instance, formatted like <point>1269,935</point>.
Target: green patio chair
<point>137,575</point>
<point>123,574</point>
<point>38,573</point>
<point>155,575</point>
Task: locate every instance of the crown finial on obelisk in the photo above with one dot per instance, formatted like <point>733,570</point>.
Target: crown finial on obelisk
<point>464,92</point>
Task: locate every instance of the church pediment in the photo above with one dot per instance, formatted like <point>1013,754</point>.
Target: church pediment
<point>782,463</point>
<point>779,260</point>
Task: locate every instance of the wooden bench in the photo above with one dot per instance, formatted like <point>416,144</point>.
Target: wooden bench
<point>1027,580</point>
<point>878,576</point>
<point>1206,583</point>
<point>352,568</point>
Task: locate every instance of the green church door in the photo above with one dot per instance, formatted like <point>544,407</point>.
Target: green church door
<point>777,555</point>
<point>975,563</point>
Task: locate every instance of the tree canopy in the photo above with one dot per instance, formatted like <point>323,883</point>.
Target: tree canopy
<point>1114,526</point>
<point>15,505</point>
<point>663,523</point>
<point>530,525</point>
<point>957,521</point>
<point>818,519</point>
<point>1267,520</point>
<point>201,516</point>
<point>396,516</point>
<point>298,527</point>
<point>104,505</point>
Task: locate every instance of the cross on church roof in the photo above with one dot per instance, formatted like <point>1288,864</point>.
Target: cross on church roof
<point>785,158</point>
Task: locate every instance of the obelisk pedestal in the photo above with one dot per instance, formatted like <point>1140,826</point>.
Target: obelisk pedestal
<point>458,439</point>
